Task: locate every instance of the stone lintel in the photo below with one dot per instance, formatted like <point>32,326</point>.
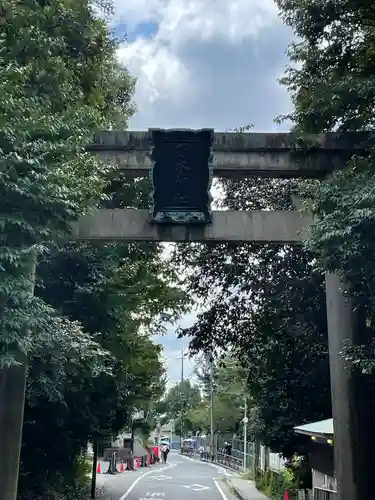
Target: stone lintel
<point>239,165</point>
<point>236,141</point>
<point>233,226</point>
<point>239,155</point>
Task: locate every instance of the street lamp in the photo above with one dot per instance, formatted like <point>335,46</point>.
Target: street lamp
<point>245,421</point>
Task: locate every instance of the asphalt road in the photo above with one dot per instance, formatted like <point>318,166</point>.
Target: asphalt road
<point>180,479</point>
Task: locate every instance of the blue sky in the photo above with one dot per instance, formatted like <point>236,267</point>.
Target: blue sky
<point>173,348</point>
<point>203,63</point>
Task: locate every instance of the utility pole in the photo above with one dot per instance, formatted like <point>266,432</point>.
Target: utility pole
<point>245,422</point>
<point>172,424</point>
<point>182,398</point>
<point>211,405</point>
<point>94,467</point>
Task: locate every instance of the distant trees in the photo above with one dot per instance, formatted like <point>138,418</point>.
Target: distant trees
<point>178,401</point>
<point>194,400</point>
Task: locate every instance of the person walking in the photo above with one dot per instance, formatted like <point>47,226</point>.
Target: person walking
<point>227,453</point>
<point>164,453</point>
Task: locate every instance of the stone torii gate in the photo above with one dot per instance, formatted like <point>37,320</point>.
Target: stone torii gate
<point>181,164</point>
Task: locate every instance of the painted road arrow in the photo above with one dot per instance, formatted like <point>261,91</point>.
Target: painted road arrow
<point>197,487</point>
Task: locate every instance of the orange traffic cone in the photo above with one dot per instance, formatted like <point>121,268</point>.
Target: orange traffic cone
<point>122,468</point>
<point>98,469</point>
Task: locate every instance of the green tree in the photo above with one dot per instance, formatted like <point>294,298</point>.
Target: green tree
<point>266,305</point>
<point>180,398</point>
<point>198,419</point>
<point>229,390</point>
<point>332,87</point>
<point>60,82</point>
<point>64,364</point>
<point>119,294</point>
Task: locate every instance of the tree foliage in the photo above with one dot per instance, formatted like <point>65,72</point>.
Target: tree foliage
<point>333,89</point>
<point>120,295</point>
<point>178,401</point>
<point>60,82</point>
<point>65,363</point>
<point>265,304</point>
<point>87,331</point>
<point>229,390</point>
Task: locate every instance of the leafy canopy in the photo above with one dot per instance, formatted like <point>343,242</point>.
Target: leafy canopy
<point>333,89</point>
<point>60,82</point>
<point>91,360</point>
<point>266,304</point>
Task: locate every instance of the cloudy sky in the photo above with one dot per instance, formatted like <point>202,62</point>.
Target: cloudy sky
<point>203,63</point>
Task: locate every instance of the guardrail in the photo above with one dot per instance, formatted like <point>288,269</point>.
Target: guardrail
<point>228,461</point>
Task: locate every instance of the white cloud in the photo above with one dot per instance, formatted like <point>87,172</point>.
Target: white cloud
<point>160,72</point>
<point>211,63</point>
<point>199,18</point>
<point>208,19</point>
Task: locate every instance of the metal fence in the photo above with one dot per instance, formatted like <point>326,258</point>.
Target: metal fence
<point>276,462</point>
<point>267,459</point>
<point>236,459</point>
<point>229,461</point>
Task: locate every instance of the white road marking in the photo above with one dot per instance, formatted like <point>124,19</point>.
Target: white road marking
<point>197,487</point>
<point>215,466</point>
<point>223,495</point>
<point>161,478</point>
<point>221,470</point>
<point>134,484</point>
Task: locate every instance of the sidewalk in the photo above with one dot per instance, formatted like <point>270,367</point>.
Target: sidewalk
<point>244,489</point>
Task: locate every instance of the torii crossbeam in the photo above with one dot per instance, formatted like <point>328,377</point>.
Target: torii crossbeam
<point>233,155</point>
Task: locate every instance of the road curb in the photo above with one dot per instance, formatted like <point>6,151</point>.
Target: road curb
<point>233,489</point>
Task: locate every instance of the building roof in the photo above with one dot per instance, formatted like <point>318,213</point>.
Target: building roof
<point>323,428</point>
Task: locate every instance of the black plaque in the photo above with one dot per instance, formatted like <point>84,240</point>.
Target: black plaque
<point>181,176</point>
